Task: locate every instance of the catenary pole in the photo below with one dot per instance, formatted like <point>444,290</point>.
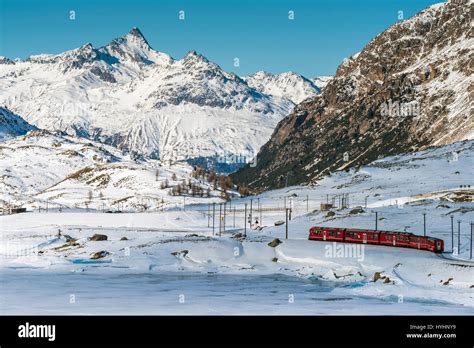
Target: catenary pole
<point>213,216</point>
<point>245,220</point>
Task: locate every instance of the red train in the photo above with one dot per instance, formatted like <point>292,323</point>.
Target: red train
<point>366,236</point>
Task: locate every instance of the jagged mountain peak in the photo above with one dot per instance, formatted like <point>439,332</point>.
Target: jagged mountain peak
<point>260,74</point>
<point>193,53</point>
<point>136,33</point>
<point>75,57</point>
<point>195,57</point>
<point>133,38</point>
<point>5,60</point>
<point>134,48</point>
<point>286,74</point>
<point>289,85</point>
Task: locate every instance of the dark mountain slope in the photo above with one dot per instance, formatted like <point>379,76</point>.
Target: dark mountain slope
<point>409,88</point>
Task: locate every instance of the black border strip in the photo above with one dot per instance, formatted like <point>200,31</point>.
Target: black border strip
<point>226,330</point>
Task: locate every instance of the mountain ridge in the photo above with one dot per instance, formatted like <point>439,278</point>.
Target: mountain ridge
<point>140,100</point>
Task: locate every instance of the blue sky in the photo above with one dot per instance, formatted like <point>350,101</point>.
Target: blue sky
<point>258,32</point>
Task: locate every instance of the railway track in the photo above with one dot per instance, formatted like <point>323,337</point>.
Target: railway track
<point>455,262</point>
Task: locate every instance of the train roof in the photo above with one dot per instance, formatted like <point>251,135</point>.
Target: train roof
<point>364,230</point>
<point>398,232</point>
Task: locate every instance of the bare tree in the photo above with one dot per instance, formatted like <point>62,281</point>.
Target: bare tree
<point>244,190</point>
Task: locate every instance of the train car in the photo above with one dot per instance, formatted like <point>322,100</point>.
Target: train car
<point>427,243</point>
<point>434,244</point>
<point>366,236</point>
<point>354,235</point>
<point>400,239</point>
<point>326,233</point>
<point>418,242</point>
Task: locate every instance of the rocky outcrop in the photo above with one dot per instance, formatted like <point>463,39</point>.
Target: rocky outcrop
<point>274,243</point>
<point>98,237</point>
<point>99,255</point>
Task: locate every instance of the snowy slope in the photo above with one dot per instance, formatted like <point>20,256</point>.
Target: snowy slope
<point>39,159</point>
<point>12,125</point>
<point>435,174</point>
<point>321,81</point>
<point>289,85</point>
<point>44,168</point>
<point>125,186</point>
<point>138,99</point>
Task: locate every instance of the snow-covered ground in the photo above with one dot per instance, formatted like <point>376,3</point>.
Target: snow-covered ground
<point>172,262</point>
<point>51,170</point>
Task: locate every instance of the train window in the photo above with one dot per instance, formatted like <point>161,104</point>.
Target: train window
<point>388,237</point>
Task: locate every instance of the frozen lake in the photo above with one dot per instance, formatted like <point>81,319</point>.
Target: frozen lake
<point>49,293</point>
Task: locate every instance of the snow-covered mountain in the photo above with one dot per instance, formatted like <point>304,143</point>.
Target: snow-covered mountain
<point>321,81</point>
<point>12,125</point>
<point>128,95</point>
<point>289,85</point>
